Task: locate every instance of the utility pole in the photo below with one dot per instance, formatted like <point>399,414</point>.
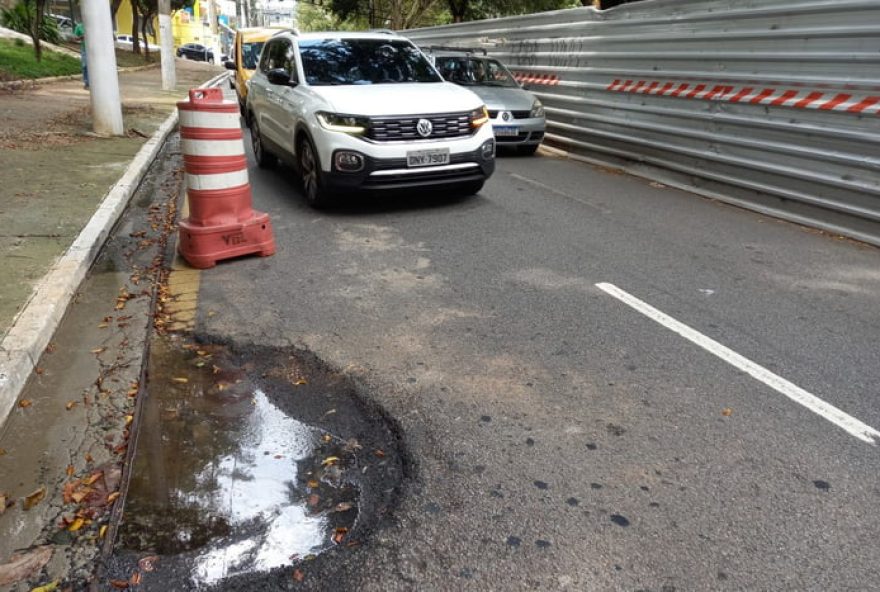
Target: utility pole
<point>212,27</point>
<point>101,59</point>
<point>166,46</point>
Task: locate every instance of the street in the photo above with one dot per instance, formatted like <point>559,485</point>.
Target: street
<point>559,437</point>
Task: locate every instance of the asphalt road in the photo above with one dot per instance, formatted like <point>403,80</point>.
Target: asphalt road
<point>560,438</point>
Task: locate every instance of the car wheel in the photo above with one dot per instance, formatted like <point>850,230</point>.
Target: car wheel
<point>527,150</point>
<point>264,159</point>
<point>471,188</point>
<point>310,170</point>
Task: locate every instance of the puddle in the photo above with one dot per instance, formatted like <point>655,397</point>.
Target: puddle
<point>247,464</point>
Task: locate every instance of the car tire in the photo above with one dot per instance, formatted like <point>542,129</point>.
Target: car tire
<point>314,191</point>
<point>527,150</point>
<point>471,188</point>
<point>265,160</point>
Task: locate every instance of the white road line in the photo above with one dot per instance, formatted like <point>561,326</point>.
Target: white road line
<point>852,425</point>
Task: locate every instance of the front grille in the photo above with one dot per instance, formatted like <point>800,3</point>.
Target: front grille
<point>396,129</point>
<point>515,114</point>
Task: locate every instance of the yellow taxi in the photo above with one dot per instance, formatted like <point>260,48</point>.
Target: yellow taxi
<point>245,55</point>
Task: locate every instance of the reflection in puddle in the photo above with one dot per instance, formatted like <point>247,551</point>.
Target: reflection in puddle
<point>255,486</point>
<point>225,482</point>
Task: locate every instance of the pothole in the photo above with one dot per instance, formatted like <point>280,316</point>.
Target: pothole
<point>248,463</point>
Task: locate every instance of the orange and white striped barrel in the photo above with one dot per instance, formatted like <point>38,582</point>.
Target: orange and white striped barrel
<point>211,140</point>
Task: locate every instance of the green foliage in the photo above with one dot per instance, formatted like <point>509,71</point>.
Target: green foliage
<point>17,62</point>
<point>21,16</point>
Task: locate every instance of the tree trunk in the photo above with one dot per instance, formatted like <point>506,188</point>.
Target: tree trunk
<point>146,19</point>
<point>114,8</point>
<point>457,8</point>
<point>37,27</point>
<point>135,28</point>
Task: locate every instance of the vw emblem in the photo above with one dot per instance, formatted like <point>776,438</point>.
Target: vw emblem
<point>506,116</point>
<point>424,128</point>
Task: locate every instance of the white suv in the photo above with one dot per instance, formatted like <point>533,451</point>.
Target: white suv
<point>365,111</point>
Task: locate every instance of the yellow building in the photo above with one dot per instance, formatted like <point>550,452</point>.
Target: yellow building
<point>187,27</point>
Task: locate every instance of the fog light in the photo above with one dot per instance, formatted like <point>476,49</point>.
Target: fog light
<point>488,149</point>
<point>349,162</point>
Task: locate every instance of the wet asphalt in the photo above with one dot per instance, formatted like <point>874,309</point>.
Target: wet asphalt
<point>558,439</point>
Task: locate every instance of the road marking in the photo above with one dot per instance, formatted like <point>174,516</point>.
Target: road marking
<point>844,421</point>
<point>546,187</point>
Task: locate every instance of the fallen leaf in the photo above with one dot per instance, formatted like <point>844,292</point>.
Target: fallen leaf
<point>300,382</point>
<point>112,497</point>
<point>98,350</point>
<point>50,587</point>
<point>50,349</point>
<point>313,484</point>
<point>38,370</point>
<point>103,326</point>
<point>25,403</point>
<point>327,438</point>
<point>70,405</point>
<point>343,506</point>
<point>24,565</point>
<point>102,531</point>
<point>119,584</point>
<point>34,498</point>
<point>148,563</point>
<point>94,477</point>
<point>2,503</point>
<point>2,452</point>
<point>80,495</point>
<point>329,461</point>
<point>135,579</point>
<point>727,412</point>
<point>89,457</point>
<point>70,470</point>
<point>129,419</point>
<point>379,453</point>
<point>76,525</point>
<point>180,380</point>
<point>339,535</point>
<point>298,575</point>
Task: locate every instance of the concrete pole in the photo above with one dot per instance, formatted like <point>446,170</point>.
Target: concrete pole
<point>212,27</point>
<point>101,60</point>
<point>166,45</point>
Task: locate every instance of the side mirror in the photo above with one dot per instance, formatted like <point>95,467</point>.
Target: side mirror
<point>230,65</point>
<point>280,76</point>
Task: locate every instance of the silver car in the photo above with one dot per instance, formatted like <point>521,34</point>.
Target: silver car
<point>517,116</point>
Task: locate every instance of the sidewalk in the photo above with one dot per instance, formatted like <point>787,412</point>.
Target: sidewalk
<point>55,177</point>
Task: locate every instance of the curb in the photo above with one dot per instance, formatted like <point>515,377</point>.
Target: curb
<point>30,83</point>
<point>33,327</point>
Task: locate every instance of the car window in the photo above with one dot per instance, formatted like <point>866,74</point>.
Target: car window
<point>264,57</point>
<point>278,52</point>
<point>475,71</point>
<point>363,61</point>
<point>250,53</point>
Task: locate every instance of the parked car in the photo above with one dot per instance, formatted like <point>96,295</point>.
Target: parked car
<point>245,54</point>
<point>517,115</point>
<point>196,51</point>
<point>365,111</point>
<point>127,42</point>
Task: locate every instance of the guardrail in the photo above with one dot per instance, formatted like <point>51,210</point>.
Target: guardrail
<point>773,105</point>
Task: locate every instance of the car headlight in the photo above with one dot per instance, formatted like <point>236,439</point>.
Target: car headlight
<point>537,109</point>
<point>479,117</point>
<point>347,124</point>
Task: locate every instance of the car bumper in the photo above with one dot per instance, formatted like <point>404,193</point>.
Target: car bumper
<point>525,131</point>
<point>382,174</point>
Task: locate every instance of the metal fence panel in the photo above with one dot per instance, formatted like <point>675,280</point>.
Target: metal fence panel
<point>769,104</point>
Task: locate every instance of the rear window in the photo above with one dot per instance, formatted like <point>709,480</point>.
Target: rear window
<point>363,61</point>
<point>475,71</point>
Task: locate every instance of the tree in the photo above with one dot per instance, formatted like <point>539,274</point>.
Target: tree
<point>468,10</point>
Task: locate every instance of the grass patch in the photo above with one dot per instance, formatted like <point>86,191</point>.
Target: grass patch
<point>17,62</point>
<point>125,58</point>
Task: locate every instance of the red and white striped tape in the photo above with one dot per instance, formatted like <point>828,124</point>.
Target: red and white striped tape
<point>754,95</point>
<point>526,78</point>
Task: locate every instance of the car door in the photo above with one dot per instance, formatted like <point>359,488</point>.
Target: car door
<point>265,97</point>
<point>290,100</point>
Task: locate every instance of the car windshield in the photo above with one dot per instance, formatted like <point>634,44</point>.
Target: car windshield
<point>363,61</point>
<point>471,71</point>
<point>250,53</point>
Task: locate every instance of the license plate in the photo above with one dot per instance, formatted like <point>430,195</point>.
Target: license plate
<point>506,130</point>
<point>421,158</point>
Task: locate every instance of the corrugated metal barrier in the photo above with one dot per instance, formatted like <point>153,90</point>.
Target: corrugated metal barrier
<point>773,105</point>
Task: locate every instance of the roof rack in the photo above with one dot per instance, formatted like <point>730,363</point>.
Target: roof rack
<point>292,30</point>
<point>382,31</point>
<point>467,50</point>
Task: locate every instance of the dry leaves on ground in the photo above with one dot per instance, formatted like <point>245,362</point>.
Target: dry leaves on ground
<point>25,564</point>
